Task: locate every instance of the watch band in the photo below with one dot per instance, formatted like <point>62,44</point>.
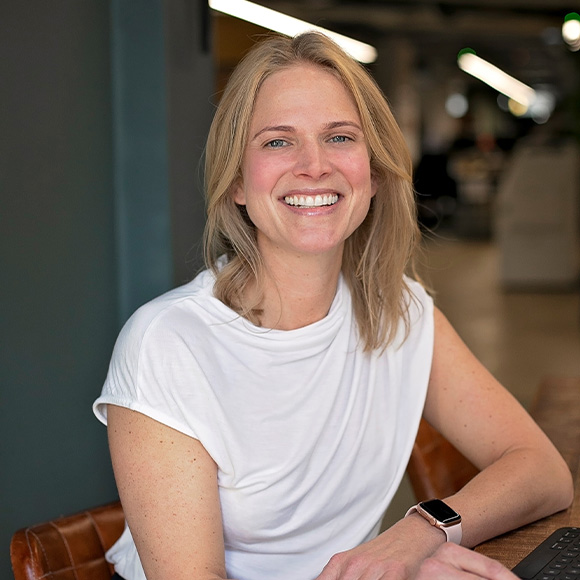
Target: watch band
<point>450,526</point>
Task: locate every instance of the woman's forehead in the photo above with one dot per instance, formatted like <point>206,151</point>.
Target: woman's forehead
<point>303,89</point>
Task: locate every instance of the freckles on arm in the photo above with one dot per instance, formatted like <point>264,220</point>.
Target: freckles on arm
<point>168,487</point>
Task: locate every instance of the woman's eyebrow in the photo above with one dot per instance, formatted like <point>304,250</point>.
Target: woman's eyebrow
<point>338,124</point>
<point>280,128</point>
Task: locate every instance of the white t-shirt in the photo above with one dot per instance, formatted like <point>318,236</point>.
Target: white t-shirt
<point>310,434</point>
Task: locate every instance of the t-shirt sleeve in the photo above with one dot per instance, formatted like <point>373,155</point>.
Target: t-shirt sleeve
<point>155,372</point>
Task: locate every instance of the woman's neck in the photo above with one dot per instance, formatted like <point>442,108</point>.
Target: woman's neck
<point>298,290</point>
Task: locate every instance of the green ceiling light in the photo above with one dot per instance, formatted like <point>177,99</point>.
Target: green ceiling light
<point>465,50</point>
<point>571,31</point>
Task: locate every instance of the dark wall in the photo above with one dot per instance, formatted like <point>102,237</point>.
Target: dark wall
<point>58,286</point>
<point>190,97</point>
<point>66,279</point>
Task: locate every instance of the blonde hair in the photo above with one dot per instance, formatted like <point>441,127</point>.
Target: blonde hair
<point>378,253</point>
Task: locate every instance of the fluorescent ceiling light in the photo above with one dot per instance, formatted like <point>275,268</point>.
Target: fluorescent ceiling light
<point>472,64</point>
<point>290,26</point>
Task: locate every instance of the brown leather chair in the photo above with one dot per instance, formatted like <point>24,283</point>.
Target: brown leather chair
<point>436,468</point>
<point>68,548</point>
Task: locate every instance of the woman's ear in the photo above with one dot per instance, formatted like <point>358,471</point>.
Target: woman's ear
<point>238,192</point>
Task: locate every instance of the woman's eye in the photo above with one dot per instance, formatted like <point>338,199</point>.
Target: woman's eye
<point>276,143</point>
<point>339,139</point>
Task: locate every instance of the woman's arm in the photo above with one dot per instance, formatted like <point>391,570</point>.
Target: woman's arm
<point>167,483</point>
<point>485,422</point>
<point>473,411</point>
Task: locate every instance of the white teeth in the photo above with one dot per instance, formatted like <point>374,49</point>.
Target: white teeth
<point>311,201</point>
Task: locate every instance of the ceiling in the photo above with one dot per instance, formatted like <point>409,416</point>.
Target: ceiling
<point>521,36</point>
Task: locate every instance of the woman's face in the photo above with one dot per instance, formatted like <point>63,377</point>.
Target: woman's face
<point>306,178</point>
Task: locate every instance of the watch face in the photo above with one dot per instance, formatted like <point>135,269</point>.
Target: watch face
<point>441,511</point>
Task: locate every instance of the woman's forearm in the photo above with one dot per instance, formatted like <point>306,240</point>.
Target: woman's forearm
<point>509,493</point>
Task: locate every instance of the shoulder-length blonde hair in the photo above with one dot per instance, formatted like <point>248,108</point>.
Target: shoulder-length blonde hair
<point>378,253</point>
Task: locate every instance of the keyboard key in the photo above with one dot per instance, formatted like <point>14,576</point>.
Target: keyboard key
<point>557,557</point>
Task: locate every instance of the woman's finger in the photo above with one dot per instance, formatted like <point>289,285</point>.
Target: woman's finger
<point>452,561</point>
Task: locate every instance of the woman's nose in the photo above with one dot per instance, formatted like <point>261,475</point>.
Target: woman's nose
<point>312,161</point>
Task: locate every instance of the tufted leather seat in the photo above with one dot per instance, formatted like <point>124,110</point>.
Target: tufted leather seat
<point>68,548</point>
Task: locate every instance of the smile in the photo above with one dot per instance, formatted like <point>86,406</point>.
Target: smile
<point>311,200</point>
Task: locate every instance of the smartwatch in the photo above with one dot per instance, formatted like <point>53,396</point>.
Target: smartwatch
<point>440,515</point>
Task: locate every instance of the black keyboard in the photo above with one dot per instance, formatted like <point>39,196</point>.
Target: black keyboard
<point>558,556</point>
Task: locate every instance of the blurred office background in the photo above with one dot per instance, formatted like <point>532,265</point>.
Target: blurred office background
<point>104,111</point>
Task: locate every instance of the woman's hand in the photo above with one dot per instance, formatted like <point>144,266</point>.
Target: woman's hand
<point>376,560</point>
<point>396,554</point>
<point>452,562</point>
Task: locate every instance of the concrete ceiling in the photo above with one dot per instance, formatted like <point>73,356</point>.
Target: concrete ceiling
<point>520,36</point>
<point>522,18</point>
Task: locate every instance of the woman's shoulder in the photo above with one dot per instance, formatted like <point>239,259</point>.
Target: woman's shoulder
<point>174,305</point>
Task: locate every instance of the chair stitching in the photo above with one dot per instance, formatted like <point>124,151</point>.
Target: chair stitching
<point>50,573</point>
<point>67,568</point>
<point>29,532</point>
<point>70,556</point>
<point>97,530</point>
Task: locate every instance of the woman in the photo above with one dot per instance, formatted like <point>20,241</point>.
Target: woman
<point>261,417</point>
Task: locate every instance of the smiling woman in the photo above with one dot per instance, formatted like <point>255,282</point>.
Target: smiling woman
<point>349,115</point>
<point>261,417</point>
